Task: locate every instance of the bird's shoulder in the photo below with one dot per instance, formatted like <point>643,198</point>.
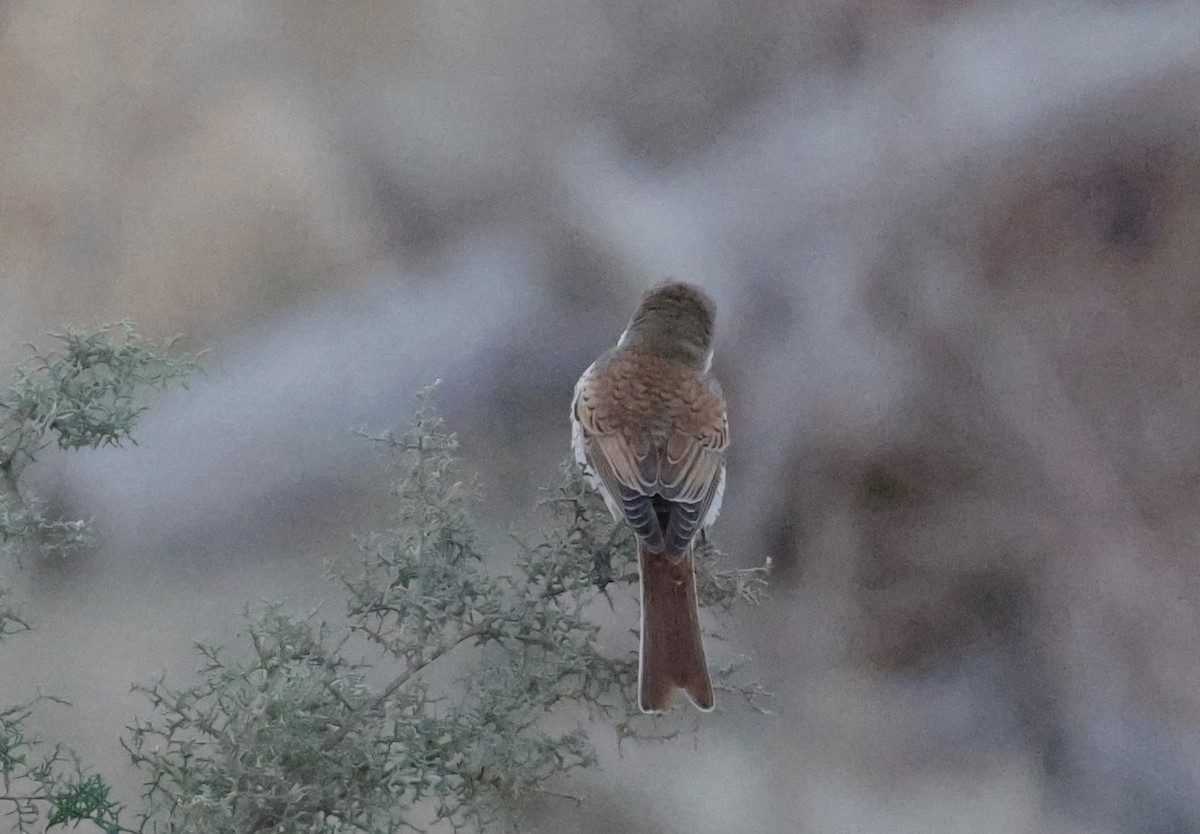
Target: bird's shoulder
<point>633,391</point>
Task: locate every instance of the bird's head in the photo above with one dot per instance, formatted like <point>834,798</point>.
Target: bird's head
<point>674,320</point>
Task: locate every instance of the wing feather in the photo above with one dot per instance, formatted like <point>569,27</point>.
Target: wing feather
<point>687,470</point>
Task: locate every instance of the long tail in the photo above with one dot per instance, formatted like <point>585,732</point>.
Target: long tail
<point>672,650</point>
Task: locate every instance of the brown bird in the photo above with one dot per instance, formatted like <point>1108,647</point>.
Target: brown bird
<point>649,428</point>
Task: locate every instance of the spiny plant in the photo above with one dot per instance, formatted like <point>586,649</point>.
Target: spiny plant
<point>85,394</point>
<point>444,696</point>
<point>480,694</point>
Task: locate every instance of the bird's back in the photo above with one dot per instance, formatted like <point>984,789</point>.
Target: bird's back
<point>648,399</point>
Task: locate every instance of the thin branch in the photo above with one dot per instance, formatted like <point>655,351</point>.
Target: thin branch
<point>404,677</point>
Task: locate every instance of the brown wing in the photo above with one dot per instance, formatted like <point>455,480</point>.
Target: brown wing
<point>695,464</point>
<point>662,487</point>
<point>610,461</point>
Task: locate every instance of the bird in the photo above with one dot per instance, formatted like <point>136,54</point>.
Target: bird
<point>649,429</point>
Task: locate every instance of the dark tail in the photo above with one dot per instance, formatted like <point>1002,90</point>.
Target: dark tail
<point>672,651</point>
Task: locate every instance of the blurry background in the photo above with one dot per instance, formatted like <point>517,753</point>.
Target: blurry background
<point>956,250</point>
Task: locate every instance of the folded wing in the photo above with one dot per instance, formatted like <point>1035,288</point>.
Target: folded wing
<point>663,487</point>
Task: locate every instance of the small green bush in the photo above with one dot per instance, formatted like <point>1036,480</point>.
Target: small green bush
<point>85,394</point>
<point>445,696</point>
